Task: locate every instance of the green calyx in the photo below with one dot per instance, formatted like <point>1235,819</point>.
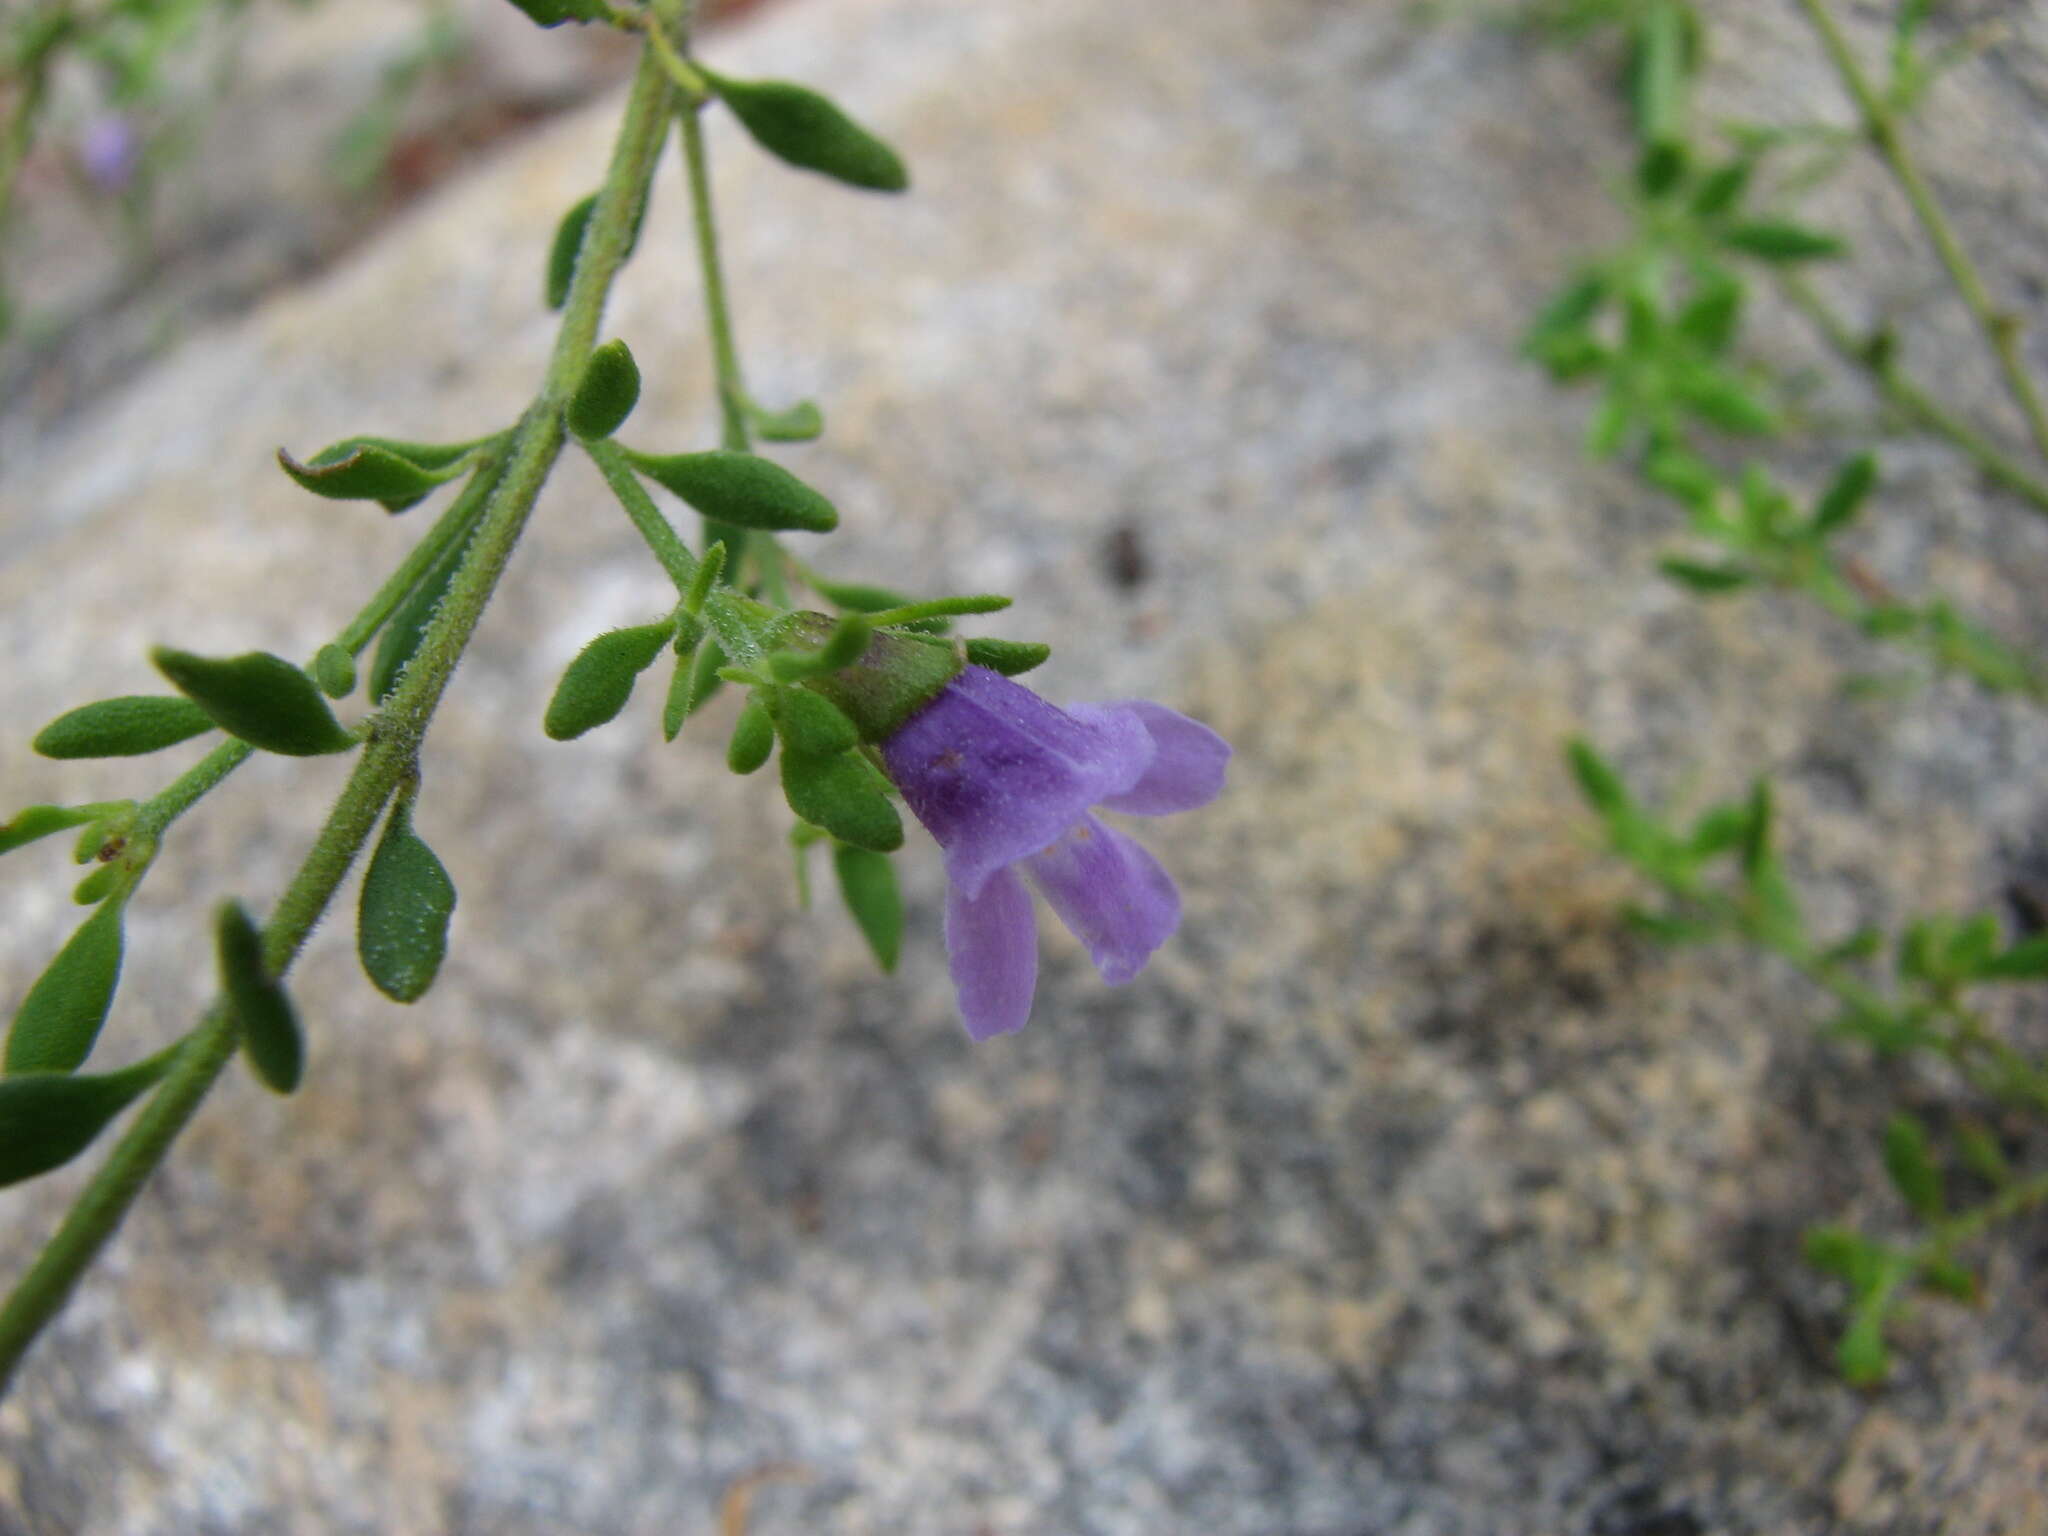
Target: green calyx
<point>891,679</point>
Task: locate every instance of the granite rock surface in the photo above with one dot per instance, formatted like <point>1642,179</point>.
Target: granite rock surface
<point>1405,1193</point>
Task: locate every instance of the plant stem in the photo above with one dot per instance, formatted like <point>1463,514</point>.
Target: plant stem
<point>661,537</point>
<point>2000,327</point>
<point>392,754</point>
<point>1910,397</point>
<point>725,358</point>
<point>42,1292</point>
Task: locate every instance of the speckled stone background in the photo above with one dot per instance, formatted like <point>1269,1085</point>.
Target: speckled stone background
<point>1405,1193</point>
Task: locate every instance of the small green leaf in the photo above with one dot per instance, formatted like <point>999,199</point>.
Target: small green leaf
<point>1909,1159</point>
<point>1862,1357</point>
<point>609,390</point>
<point>867,883</point>
<point>271,1042</point>
<point>260,698</point>
<point>600,680</point>
<point>846,644</point>
<point>1724,402</point>
<point>402,919</point>
<point>1945,1277</point>
<point>1781,241</point>
<point>1971,948</point>
<point>552,13</point>
<point>122,727</point>
<point>846,796</point>
<point>59,1020</point>
<point>1576,303</point>
<point>811,725</point>
<point>799,126</point>
<point>1722,828</point>
<point>2025,961</point>
<point>695,680</point>
<point>1707,580</point>
<point>335,671</point>
<point>364,469</point>
<point>48,1118</point>
<point>1668,929</point>
<point>39,821</point>
<point>1846,1254</point>
<point>740,488</point>
<point>568,244</point>
<point>1844,497</point>
<point>938,608</point>
<point>1012,658</point>
<point>800,423</point>
<point>709,569</point>
<point>1684,475</point>
<point>1720,188</point>
<point>1710,320</point>
<point>1981,1154</point>
<point>753,737</point>
<point>97,885</point>
<point>1860,945</point>
<point>1598,781</point>
<point>1661,168</point>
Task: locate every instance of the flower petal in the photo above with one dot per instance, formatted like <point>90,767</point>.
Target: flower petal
<point>1188,759</point>
<point>1111,893</point>
<point>992,946</point>
<point>996,773</point>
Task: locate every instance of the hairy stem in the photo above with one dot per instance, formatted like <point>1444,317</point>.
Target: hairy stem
<point>661,536</point>
<point>391,757</point>
<point>2000,327</point>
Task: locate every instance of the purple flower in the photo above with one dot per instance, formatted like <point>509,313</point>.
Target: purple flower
<point>109,149</point>
<point>1006,781</point>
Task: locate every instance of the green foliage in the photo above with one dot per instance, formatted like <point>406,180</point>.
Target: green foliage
<point>811,725</point>
<point>123,727</point>
<point>753,737</point>
<point>39,821</point>
<point>1722,880</point>
<point>334,670</point>
<point>48,1118</point>
<point>563,251</point>
<point>827,689</point>
<point>607,393</point>
<point>867,884</point>
<point>740,489</point>
<point>402,917</point>
<point>799,423</point>
<point>58,1022</point>
<point>799,126</point>
<point>1012,658</point>
<point>694,681</point>
<point>378,469</point>
<point>845,794</point>
<point>271,1041</point>
<point>552,13</point>
<point>599,681</point>
<point>260,698</point>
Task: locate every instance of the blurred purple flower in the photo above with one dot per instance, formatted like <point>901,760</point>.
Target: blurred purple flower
<point>109,149</point>
<point>1004,780</point>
